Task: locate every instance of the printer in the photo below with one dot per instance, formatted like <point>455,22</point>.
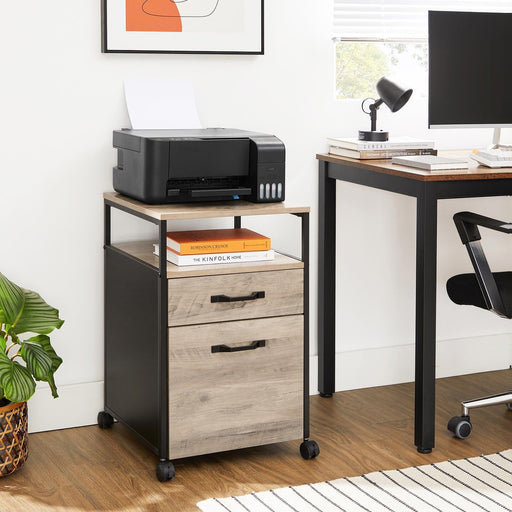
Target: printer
<point>177,166</point>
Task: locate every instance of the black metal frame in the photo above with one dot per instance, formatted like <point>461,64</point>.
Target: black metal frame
<point>305,259</point>
<point>427,193</point>
<point>161,433</point>
<point>156,437</point>
<point>467,225</point>
<point>105,49</point>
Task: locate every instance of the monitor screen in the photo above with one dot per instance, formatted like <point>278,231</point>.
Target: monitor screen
<point>470,69</point>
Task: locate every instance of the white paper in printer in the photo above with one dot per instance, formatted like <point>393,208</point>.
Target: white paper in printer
<point>161,103</point>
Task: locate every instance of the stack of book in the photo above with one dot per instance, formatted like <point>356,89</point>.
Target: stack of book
<point>370,150</point>
<point>210,246</point>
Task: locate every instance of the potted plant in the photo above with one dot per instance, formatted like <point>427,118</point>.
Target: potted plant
<point>22,363</point>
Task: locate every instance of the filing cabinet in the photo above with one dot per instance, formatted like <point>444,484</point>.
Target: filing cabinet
<point>190,374</point>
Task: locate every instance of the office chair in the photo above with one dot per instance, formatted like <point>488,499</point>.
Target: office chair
<point>483,289</point>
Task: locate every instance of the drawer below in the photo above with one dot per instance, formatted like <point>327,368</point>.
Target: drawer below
<point>227,400</point>
<point>194,300</point>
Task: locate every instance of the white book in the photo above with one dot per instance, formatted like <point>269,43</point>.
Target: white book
<point>378,154</point>
<point>431,163</point>
<point>393,143</point>
<point>215,258</point>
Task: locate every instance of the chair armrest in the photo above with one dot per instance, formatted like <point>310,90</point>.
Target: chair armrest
<point>467,225</point>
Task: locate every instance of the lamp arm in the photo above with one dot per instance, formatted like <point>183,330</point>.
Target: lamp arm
<point>373,113</point>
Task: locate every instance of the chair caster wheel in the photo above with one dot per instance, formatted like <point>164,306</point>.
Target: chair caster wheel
<point>460,426</point>
<point>509,406</point>
<point>165,470</point>
<point>105,420</point>
<point>309,449</point>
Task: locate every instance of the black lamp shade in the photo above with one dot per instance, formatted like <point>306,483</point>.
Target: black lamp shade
<point>392,95</point>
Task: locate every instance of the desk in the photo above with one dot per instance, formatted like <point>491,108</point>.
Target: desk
<point>427,188</point>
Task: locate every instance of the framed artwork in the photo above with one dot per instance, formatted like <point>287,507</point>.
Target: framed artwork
<point>182,26</point>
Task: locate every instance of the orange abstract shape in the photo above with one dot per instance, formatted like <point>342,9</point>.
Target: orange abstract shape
<point>152,16</point>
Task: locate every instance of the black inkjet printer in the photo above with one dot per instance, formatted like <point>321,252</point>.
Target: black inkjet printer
<point>178,166</point>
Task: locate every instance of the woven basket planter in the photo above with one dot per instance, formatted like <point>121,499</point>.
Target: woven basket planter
<point>13,437</point>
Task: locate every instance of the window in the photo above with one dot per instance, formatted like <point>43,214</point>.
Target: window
<point>375,38</point>
<point>359,65</point>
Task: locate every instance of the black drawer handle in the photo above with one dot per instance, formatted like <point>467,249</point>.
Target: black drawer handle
<point>225,298</point>
<point>224,348</point>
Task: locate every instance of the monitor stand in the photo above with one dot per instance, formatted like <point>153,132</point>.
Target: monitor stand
<point>501,138</point>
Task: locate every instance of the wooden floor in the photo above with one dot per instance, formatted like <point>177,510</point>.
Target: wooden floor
<point>88,469</point>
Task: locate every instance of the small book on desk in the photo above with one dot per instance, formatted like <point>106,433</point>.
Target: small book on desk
<point>380,154</point>
<point>431,163</point>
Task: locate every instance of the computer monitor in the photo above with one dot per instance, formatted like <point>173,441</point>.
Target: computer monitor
<point>470,70</point>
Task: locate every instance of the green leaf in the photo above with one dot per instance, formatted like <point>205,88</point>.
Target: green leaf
<point>44,342</point>
<point>38,361</point>
<point>12,300</point>
<point>3,344</point>
<point>16,380</point>
<point>2,317</point>
<point>37,316</point>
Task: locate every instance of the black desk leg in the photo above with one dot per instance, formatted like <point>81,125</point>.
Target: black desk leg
<point>426,250</point>
<point>326,281</point>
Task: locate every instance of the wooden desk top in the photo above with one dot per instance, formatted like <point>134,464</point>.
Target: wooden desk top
<point>212,209</point>
<point>475,171</point>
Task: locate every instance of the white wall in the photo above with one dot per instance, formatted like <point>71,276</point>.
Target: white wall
<point>60,100</point>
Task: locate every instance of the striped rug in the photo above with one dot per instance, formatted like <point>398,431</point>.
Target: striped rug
<point>470,485</point>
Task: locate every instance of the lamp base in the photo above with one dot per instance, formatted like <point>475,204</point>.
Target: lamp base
<point>373,136</point>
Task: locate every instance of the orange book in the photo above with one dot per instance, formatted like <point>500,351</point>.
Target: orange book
<point>209,241</point>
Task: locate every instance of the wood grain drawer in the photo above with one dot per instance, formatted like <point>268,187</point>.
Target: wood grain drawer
<point>228,400</point>
<point>190,299</point>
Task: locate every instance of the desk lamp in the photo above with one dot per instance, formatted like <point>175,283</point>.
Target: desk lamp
<point>394,97</point>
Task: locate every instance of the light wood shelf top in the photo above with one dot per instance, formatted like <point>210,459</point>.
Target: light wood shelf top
<point>143,250</point>
<point>214,209</point>
<point>475,171</point>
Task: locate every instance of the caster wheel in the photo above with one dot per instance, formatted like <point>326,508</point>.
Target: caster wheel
<point>509,406</point>
<point>165,470</point>
<point>309,449</point>
<point>460,426</point>
<point>105,420</point>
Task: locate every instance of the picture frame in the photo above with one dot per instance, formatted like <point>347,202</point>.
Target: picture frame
<point>182,26</point>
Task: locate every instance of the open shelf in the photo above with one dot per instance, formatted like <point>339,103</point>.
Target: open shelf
<point>143,250</point>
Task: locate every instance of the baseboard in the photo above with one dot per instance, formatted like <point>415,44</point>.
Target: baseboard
<point>79,404</point>
<point>393,365</point>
